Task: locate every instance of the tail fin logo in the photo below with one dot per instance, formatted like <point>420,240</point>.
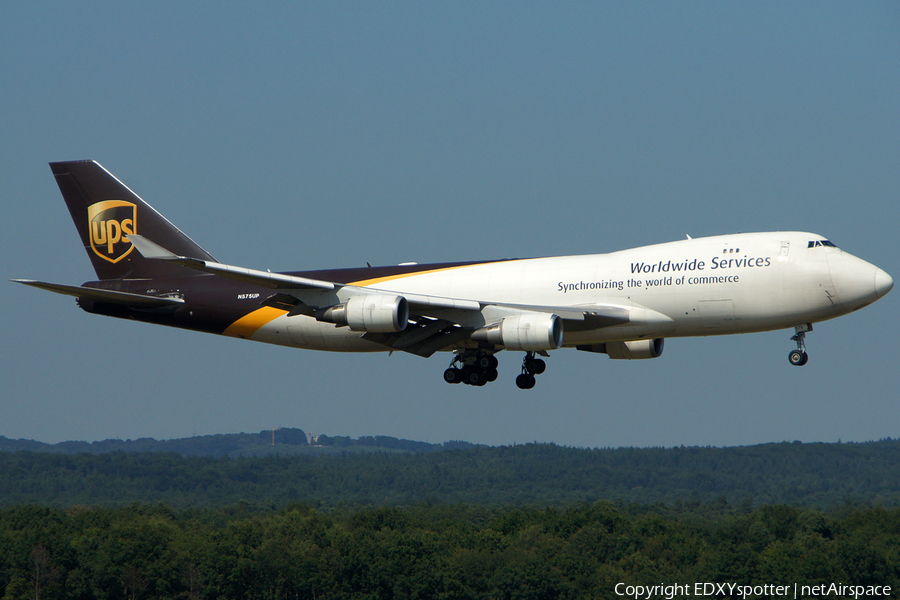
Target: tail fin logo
<point>109,224</point>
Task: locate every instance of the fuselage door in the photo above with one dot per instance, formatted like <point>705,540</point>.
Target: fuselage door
<point>715,314</point>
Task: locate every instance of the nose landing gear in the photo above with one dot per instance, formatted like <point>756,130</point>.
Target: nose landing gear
<point>799,357</point>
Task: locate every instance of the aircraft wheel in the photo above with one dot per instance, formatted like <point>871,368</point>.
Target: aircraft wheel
<point>490,375</point>
<point>798,358</point>
<point>536,366</point>
<point>472,376</point>
<point>483,361</point>
<point>525,381</point>
<point>452,375</point>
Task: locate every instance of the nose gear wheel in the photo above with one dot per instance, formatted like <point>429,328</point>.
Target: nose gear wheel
<point>799,357</point>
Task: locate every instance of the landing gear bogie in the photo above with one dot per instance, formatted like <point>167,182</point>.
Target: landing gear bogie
<point>475,368</point>
<point>531,366</point>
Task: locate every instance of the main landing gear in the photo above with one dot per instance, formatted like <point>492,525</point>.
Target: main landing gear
<point>531,366</point>
<point>799,357</point>
<point>474,368</point>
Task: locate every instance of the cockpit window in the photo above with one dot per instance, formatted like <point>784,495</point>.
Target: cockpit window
<point>814,243</point>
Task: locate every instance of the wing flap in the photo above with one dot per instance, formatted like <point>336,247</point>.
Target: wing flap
<point>575,318</point>
<point>423,340</point>
<point>422,304</point>
<point>293,305</point>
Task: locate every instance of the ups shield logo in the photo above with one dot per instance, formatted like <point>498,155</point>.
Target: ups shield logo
<point>109,222</point>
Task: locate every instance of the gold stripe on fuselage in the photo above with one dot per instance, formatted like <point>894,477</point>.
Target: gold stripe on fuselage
<point>250,323</point>
<point>377,280</point>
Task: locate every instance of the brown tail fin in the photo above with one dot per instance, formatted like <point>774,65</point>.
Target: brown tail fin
<point>105,212</point>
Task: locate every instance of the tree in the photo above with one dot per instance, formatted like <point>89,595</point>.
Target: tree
<point>44,575</point>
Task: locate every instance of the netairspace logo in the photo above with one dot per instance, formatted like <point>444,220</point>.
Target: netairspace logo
<point>794,591</point>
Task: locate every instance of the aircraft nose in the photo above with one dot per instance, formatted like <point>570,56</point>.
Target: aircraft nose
<point>857,282</point>
<point>883,283</point>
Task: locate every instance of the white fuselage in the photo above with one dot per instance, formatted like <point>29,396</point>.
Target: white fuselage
<point>719,285</point>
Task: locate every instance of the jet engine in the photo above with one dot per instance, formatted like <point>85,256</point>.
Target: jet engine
<point>628,350</point>
<point>377,313</point>
<point>528,331</point>
<point>634,350</point>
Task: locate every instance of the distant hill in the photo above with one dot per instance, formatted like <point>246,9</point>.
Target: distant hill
<point>288,441</point>
<point>383,471</point>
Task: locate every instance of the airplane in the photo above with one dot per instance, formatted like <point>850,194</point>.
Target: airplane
<point>622,304</point>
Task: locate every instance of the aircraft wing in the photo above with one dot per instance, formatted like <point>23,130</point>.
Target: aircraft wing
<point>151,250</point>
<point>437,322</point>
<point>580,318</point>
<point>111,296</point>
<point>433,329</point>
<point>419,303</point>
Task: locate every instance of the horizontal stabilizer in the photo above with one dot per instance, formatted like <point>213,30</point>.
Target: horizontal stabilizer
<point>110,296</point>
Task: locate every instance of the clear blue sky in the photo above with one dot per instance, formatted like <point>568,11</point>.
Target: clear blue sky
<point>313,135</point>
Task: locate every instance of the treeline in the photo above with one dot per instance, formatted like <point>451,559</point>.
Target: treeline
<point>815,475</point>
<point>282,441</point>
<point>435,551</point>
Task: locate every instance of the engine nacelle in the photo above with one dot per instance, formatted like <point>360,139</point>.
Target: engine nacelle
<point>528,331</point>
<point>378,313</point>
<point>636,350</point>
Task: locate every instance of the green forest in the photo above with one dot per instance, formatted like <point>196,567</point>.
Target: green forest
<point>434,551</point>
<point>814,475</point>
<point>234,517</point>
<point>281,441</point>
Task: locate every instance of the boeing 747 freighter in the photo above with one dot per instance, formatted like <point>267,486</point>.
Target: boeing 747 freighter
<point>622,304</point>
